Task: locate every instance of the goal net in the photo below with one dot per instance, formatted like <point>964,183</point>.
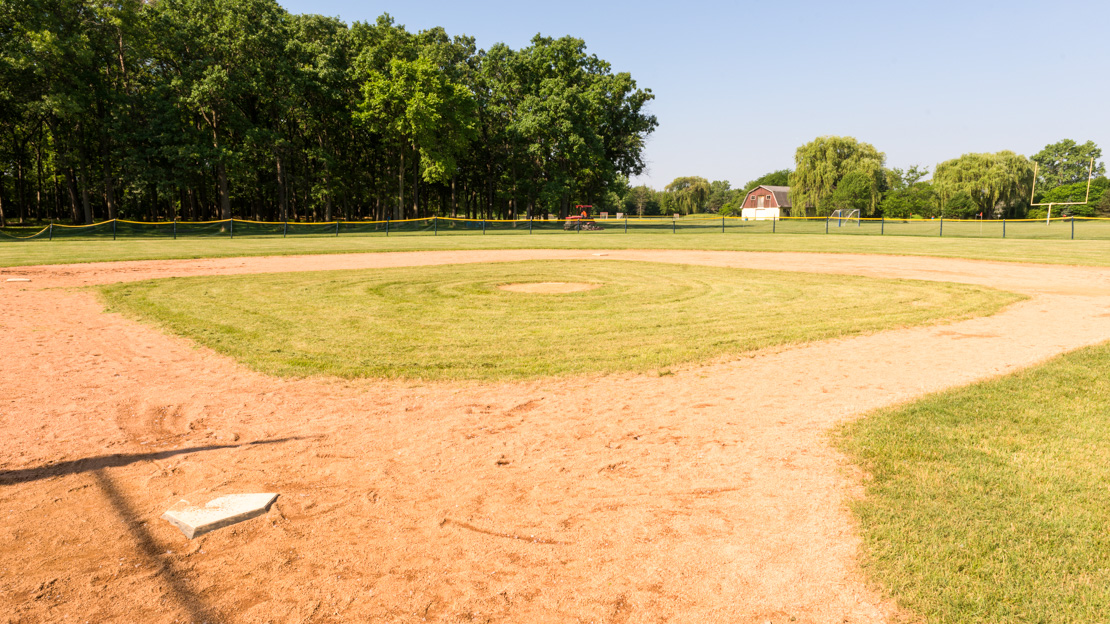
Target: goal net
<point>845,217</point>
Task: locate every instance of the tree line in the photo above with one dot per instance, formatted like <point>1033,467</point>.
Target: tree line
<point>208,109</point>
<point>841,173</point>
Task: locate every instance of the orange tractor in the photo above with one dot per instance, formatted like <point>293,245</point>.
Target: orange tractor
<point>582,221</point>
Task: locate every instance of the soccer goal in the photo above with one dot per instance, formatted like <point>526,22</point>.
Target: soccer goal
<point>845,217</point>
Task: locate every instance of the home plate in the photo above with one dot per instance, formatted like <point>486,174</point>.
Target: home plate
<point>18,279</point>
<point>196,520</point>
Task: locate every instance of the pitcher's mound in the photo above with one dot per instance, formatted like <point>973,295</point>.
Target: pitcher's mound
<point>549,288</point>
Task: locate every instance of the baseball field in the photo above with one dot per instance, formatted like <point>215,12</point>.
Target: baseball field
<point>556,429</point>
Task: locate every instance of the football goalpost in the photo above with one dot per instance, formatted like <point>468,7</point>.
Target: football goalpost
<point>845,217</point>
<point>1033,193</point>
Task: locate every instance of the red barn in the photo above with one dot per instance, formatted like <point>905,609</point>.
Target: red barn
<point>766,202</point>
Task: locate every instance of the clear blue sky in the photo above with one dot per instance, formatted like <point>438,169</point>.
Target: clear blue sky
<point>740,85</point>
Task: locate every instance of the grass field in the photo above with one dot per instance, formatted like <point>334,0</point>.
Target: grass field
<point>990,503</point>
<point>1080,252</point>
<point>454,322</point>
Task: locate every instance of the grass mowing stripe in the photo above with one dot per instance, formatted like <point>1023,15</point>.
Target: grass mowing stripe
<point>1078,252</point>
<point>991,503</point>
<point>453,322</point>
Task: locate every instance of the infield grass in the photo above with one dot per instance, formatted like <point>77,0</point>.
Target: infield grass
<point>453,322</point>
<point>991,503</point>
<point>1078,252</point>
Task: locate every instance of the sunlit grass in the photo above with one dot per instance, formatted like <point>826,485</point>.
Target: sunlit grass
<point>1083,252</point>
<point>454,322</point>
<point>991,503</point>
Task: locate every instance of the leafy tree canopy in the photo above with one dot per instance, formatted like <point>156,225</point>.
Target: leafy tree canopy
<point>1000,181</point>
<point>821,164</point>
<point>720,193</point>
<point>1067,162</point>
<point>915,200</point>
<point>775,178</point>
<point>688,195</point>
<point>1077,192</point>
<point>852,193</point>
<point>899,179</point>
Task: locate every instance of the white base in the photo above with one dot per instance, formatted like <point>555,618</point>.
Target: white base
<point>194,520</point>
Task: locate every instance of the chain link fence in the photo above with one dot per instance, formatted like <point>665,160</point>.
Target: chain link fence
<point>1065,228</point>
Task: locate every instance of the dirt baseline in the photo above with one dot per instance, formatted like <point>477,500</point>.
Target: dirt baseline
<point>708,496</point>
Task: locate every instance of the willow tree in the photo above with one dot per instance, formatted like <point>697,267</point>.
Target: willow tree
<point>689,194</point>
<point>821,164</point>
<point>999,180</point>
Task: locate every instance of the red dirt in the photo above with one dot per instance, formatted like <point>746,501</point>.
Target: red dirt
<point>708,496</point>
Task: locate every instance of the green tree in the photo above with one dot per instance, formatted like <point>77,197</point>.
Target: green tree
<point>688,195</point>
<point>641,200</point>
<point>720,193</point>
<point>997,183</point>
<point>853,192</point>
<point>918,199</point>
<point>821,164</point>
<point>899,179</point>
<point>961,205</point>
<point>775,178</point>
<point>1067,162</point>
<point>1102,208</point>
<point>1070,194</point>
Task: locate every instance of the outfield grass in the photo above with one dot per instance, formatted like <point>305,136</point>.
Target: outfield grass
<point>991,503</point>
<point>453,322</point>
<point>1081,252</point>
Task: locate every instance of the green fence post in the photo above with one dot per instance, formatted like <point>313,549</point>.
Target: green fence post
<point>285,230</point>
<point>530,220</point>
<point>942,226</point>
<point>231,227</point>
<point>1073,228</point>
<point>387,226</point>
<point>827,223</point>
<point>774,224</point>
<point>483,226</point>
<point>114,229</point>
<point>626,225</point>
<point>174,229</point>
<point>51,233</point>
<point>1003,227</point>
<point>674,225</point>
<point>882,226</point>
<point>435,226</point>
<point>722,225</point>
<point>337,228</point>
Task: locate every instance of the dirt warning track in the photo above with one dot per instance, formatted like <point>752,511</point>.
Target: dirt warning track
<point>711,495</point>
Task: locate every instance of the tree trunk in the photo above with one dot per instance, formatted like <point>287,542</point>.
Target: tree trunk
<point>19,190</point>
<point>192,195</point>
<point>3,221</point>
<point>71,184</point>
<point>401,188</point>
<point>416,186</point>
<point>283,201</point>
<point>225,198</point>
<point>85,205</point>
<point>109,192</point>
<point>57,194</point>
<point>454,202</point>
<point>38,181</point>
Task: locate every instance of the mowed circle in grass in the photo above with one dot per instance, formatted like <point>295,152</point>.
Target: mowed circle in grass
<point>456,322</point>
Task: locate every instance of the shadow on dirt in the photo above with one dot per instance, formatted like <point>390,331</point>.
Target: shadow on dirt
<point>88,464</point>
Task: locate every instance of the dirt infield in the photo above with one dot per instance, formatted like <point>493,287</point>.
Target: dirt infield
<point>709,495</point>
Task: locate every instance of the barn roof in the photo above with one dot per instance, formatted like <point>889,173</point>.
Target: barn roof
<point>782,194</point>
